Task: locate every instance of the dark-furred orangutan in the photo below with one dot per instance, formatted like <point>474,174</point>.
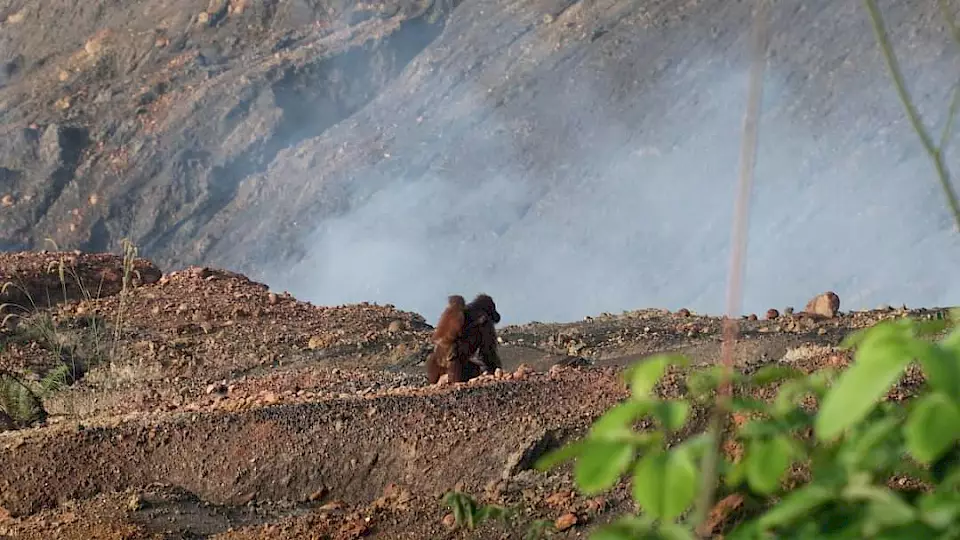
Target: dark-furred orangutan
<point>455,346</point>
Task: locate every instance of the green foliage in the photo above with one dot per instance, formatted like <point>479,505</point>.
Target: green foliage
<point>848,449</point>
<point>57,379</point>
<point>540,528</point>
<point>468,513</point>
<point>74,346</point>
<point>19,402</point>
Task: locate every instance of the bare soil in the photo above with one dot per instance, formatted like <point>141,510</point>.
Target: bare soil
<point>212,415</point>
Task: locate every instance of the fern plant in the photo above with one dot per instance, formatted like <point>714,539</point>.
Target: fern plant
<point>19,402</point>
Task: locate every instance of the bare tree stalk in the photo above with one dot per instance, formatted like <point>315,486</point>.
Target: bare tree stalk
<point>748,159</point>
<point>936,153</point>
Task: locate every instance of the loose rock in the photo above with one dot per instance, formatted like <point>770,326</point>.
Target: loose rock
<point>826,305</point>
<point>565,521</point>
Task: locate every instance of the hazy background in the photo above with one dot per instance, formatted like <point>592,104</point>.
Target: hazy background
<point>606,200</point>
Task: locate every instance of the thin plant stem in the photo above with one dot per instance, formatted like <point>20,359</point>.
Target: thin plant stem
<point>951,116</point>
<point>935,153</point>
<point>947,14</point>
<point>748,159</point>
<point>951,20</point>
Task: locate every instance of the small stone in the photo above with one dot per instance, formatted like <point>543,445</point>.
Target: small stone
<point>752,317</point>
<point>449,521</point>
<point>596,504</point>
<point>8,200</point>
<point>16,18</point>
<point>203,17</point>
<point>565,522</point>
<point>6,424</point>
<point>772,314</point>
<point>789,310</point>
<point>395,326</point>
<point>135,502</point>
<point>272,299</point>
<point>683,312</point>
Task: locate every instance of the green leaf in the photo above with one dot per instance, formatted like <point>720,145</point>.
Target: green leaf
<point>879,363</point>
<point>762,428</point>
<point>854,339</point>
<point>941,368</point>
<point>931,327</point>
<point>735,473</point>
<point>493,512</point>
<point>775,373</point>
<point>748,404</point>
<point>766,462</point>
<point>859,450</point>
<point>952,341</point>
<point>797,505</point>
<point>885,508</point>
<point>665,483</point>
<point>939,510</point>
<point>626,528</point>
<point>555,457</point>
<point>463,506</point>
<point>703,381</point>
<point>672,414</point>
<point>644,375</point>
<point>619,420</point>
<point>672,531</point>
<point>696,446</point>
<point>788,396</point>
<point>601,464</point>
<point>933,425</point>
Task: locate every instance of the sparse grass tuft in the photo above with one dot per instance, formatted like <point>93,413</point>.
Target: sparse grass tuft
<point>74,345</point>
<point>468,513</point>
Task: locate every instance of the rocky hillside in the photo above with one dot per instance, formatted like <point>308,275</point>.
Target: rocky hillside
<point>544,143</point>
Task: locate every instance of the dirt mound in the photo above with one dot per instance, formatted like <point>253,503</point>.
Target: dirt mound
<point>206,324</point>
<point>39,280</point>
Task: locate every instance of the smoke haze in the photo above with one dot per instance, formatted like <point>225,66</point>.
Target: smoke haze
<point>583,206</point>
